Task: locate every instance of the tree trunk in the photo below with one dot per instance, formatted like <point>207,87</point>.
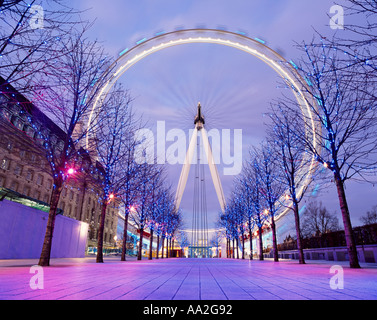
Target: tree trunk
<point>139,254</point>
<point>162,247</point>
<point>298,233</point>
<point>150,246</point>
<point>260,244</point>
<point>124,244</point>
<point>100,232</point>
<point>158,245</point>
<point>350,240</point>
<point>233,248</point>
<point>238,247</point>
<point>44,259</point>
<point>251,244</point>
<point>243,246</point>
<point>167,247</point>
<point>82,200</point>
<point>274,239</point>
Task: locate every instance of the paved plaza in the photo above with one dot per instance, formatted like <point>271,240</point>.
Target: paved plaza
<point>186,279</point>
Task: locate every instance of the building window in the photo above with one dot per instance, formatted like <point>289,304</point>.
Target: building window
<point>17,122</point>
<point>29,175</point>
<point>22,154</point>
<point>26,191</point>
<point>39,179</point>
<point>46,198</point>
<point>40,139</point>
<point>7,114</point>
<point>14,186</point>
<point>10,145</point>
<point>18,170</point>
<point>37,195</point>
<point>5,164</point>
<point>60,145</point>
<point>53,139</point>
<point>29,131</point>
<point>2,181</point>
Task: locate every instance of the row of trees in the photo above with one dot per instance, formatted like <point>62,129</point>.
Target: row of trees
<point>338,77</point>
<point>47,57</point>
<point>140,188</point>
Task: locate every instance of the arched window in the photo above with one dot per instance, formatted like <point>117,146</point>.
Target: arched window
<point>17,122</point>
<point>29,131</point>
<point>7,114</point>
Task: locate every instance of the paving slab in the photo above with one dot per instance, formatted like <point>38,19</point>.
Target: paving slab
<point>186,279</point>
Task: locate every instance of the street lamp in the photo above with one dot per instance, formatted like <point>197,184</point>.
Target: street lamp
<point>111,197</point>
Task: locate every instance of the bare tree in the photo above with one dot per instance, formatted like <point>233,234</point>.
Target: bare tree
<point>247,196</point>
<point>216,242</point>
<point>246,206</point>
<point>112,135</point>
<point>364,29</point>
<point>225,223</point>
<point>344,118</point>
<point>30,36</point>
<point>182,239</point>
<point>296,164</point>
<point>234,217</point>
<point>165,208</point>
<point>318,220</point>
<point>156,197</point>
<point>174,219</point>
<point>258,217</point>
<point>147,174</point>
<point>272,188</point>
<point>370,217</point>
<point>129,190</point>
<point>75,80</point>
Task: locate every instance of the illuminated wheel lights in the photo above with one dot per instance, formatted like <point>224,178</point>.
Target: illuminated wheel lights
<point>255,47</point>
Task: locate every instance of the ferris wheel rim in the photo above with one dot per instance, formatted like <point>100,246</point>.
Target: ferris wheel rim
<point>288,71</point>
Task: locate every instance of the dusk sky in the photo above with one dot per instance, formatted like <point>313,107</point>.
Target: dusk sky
<point>234,88</point>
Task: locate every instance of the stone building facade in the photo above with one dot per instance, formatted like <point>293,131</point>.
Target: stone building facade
<point>25,170</point>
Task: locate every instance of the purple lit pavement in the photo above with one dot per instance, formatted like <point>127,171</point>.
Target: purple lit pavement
<point>187,279</point>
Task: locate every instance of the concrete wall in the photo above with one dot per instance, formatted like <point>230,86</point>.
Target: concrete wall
<point>22,231</point>
<point>366,253</point>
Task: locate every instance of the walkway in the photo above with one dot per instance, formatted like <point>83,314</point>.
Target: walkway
<point>185,279</point>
